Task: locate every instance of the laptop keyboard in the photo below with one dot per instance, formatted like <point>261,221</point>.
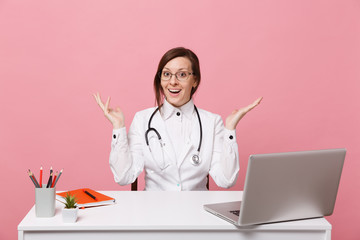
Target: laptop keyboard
<point>236,212</point>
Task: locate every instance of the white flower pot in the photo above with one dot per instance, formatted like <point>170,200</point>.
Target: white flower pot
<point>69,215</point>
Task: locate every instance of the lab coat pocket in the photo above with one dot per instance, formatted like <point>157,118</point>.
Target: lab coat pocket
<point>186,155</point>
<point>156,159</point>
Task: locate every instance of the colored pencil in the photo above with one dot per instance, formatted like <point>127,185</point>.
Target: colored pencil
<point>53,183</point>
<point>34,178</point>
<point>50,178</point>
<point>41,173</point>
<point>58,177</point>
<point>31,178</point>
<point>49,181</point>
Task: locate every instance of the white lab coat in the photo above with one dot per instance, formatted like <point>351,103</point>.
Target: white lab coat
<point>130,155</point>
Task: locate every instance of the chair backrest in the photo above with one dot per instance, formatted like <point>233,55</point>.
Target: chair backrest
<point>135,184</point>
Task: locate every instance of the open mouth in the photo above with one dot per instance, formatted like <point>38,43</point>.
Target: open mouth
<point>174,90</point>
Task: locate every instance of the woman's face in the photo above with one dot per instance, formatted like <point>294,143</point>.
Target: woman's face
<point>177,92</point>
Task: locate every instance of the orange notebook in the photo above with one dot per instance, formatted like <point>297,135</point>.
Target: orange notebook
<point>85,200</point>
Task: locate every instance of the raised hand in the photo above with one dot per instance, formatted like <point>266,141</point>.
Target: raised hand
<point>233,119</point>
<point>115,116</point>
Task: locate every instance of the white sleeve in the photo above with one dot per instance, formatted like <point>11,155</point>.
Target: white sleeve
<point>126,156</point>
<point>225,158</point>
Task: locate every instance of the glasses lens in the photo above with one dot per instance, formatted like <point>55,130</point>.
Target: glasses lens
<point>165,75</point>
<point>182,76</point>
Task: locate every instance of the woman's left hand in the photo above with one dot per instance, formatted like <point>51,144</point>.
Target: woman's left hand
<point>233,119</point>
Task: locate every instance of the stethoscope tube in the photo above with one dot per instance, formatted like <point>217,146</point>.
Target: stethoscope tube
<point>152,129</point>
<point>195,159</point>
<point>198,115</point>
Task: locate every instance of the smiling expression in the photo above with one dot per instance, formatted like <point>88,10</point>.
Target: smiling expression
<point>178,93</point>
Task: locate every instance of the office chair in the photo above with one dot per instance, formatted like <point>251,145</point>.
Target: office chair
<point>135,184</point>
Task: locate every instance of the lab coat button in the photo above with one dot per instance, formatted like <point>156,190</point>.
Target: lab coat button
<point>178,113</point>
<point>114,136</point>
<point>231,137</point>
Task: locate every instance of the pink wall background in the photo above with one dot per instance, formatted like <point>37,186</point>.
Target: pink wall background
<point>302,56</point>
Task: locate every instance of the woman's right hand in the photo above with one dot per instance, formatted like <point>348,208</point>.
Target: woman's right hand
<point>115,116</point>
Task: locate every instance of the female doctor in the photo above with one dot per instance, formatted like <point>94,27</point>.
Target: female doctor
<point>176,143</point>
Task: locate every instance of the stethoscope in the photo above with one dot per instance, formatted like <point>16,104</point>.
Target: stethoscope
<point>195,159</point>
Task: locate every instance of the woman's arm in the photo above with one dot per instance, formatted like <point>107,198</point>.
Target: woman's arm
<point>225,163</point>
<point>224,167</point>
<point>124,148</point>
<point>126,156</point>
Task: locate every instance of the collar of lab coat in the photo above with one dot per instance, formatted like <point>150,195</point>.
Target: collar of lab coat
<point>169,110</point>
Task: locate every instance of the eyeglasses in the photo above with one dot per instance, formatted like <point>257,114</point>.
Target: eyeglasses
<point>181,76</point>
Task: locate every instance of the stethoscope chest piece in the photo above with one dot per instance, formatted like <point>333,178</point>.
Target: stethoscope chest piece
<point>195,160</point>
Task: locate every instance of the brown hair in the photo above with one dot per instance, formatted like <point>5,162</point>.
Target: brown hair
<point>169,55</point>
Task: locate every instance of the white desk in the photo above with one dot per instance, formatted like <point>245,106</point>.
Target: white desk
<point>163,215</point>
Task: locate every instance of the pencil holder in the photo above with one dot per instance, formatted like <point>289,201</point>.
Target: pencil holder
<point>45,202</point>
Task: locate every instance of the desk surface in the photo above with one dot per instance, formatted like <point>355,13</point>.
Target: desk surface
<point>157,211</point>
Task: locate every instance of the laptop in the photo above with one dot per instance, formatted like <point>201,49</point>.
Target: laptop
<point>286,186</point>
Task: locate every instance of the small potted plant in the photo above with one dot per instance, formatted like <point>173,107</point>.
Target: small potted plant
<point>70,211</point>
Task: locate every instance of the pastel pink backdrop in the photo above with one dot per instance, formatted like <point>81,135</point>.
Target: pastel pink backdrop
<point>302,56</point>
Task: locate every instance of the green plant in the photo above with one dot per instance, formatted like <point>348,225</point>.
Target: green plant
<point>70,201</point>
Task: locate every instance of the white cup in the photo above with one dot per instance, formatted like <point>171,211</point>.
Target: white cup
<point>45,202</point>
